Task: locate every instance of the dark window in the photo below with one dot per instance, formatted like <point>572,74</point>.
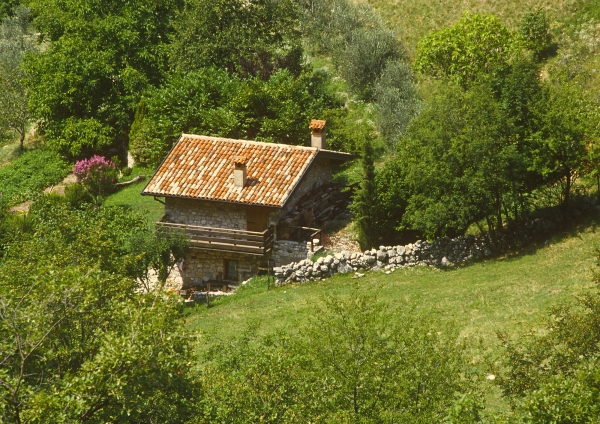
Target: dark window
<point>231,270</point>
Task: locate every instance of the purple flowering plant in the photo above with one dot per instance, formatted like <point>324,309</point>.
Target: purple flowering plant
<point>97,174</point>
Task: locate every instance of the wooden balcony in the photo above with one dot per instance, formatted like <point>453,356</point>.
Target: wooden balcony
<point>225,239</point>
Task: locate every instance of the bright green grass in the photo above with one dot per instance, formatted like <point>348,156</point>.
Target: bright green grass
<point>413,19</point>
<point>130,197</point>
<point>510,294</point>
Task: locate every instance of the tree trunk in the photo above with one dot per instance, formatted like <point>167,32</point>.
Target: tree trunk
<point>21,139</point>
<point>567,188</point>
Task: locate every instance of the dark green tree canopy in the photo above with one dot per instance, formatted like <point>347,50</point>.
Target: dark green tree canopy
<point>213,102</point>
<point>101,56</point>
<point>248,38</point>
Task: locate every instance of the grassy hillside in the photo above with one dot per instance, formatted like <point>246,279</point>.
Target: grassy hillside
<point>509,294</point>
<point>413,19</point>
<point>130,198</point>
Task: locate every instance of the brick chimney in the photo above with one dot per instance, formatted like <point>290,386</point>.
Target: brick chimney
<point>317,135</point>
<point>239,172</point>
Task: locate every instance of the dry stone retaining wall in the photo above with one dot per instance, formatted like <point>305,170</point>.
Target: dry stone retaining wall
<point>441,252</point>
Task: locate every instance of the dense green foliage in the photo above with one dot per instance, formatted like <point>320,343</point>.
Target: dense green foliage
<point>247,38</point>
<point>27,176</point>
<point>213,102</point>
<point>354,362</point>
<point>491,134</point>
<point>99,58</point>
<point>15,42</point>
<point>78,343</point>
<point>554,377</point>
<point>475,47</point>
<point>7,7</point>
<point>363,201</point>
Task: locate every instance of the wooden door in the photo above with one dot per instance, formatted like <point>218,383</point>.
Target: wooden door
<point>257,218</point>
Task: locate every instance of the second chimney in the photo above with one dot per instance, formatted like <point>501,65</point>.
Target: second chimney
<point>239,172</point>
<point>317,135</point>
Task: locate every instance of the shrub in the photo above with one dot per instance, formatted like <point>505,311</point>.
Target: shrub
<point>76,195</point>
<point>27,176</point>
<point>354,362</point>
<point>97,174</point>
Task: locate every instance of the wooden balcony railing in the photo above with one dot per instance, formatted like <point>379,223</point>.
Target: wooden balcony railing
<point>225,239</point>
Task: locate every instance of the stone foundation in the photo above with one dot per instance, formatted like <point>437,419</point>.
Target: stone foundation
<point>285,252</point>
<point>204,265</point>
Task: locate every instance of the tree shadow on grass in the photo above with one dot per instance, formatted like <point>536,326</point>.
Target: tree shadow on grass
<point>586,222</point>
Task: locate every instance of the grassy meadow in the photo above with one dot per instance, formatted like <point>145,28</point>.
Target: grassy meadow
<point>510,294</point>
<point>129,197</point>
<point>413,19</point>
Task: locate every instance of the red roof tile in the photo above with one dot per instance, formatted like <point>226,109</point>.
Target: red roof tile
<point>201,167</point>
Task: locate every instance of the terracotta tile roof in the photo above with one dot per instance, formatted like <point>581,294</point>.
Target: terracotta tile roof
<point>317,124</point>
<point>201,167</point>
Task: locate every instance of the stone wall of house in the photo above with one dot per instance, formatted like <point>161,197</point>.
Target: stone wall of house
<point>286,251</point>
<point>204,265</point>
<point>204,213</point>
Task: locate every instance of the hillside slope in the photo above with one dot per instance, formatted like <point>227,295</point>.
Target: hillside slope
<point>510,294</point>
<point>413,19</point>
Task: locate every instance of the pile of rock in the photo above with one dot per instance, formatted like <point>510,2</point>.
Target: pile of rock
<point>441,252</point>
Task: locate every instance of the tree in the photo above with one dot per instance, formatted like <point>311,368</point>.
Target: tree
<point>77,342</point>
<point>462,165</point>
<point>99,59</point>
<point>377,367</point>
<point>535,33</point>
<point>396,100</point>
<point>553,376</point>
<point>364,56</point>
<point>470,50</point>
<point>364,201</point>
<point>248,38</point>
<point>353,362</point>
<point>15,43</point>
<point>213,102</point>
<point>567,124</point>
<point>160,251</point>
<point>7,7</point>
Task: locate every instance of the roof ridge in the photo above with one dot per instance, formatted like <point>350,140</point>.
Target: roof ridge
<point>282,145</point>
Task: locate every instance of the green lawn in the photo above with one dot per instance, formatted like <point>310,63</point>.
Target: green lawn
<point>130,197</point>
<point>508,294</point>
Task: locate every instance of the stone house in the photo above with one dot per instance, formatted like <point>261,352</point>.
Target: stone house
<point>231,198</point>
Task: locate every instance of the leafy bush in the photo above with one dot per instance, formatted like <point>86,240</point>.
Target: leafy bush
<point>554,377</point>
<point>396,99</point>
<point>355,362</point>
<point>254,37</point>
<point>29,175</point>
<point>76,195</point>
<point>92,348</point>
<point>97,174</point>
<point>470,50</point>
